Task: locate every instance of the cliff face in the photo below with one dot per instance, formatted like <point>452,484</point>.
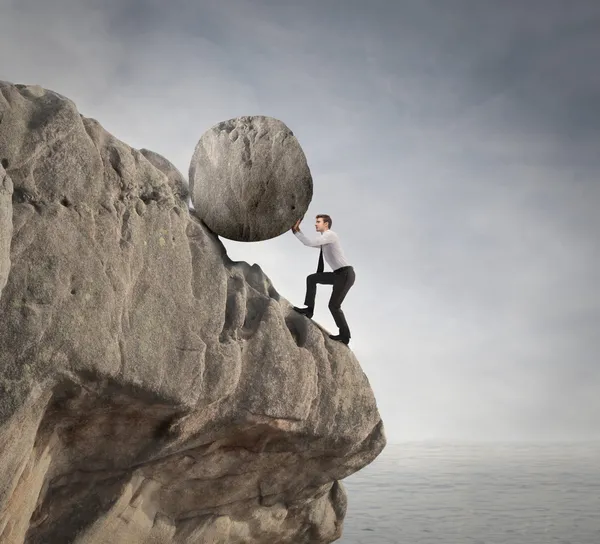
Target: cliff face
<point>152,390</point>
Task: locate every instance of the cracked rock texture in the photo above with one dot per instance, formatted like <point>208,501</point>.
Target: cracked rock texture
<point>249,179</point>
<point>152,390</point>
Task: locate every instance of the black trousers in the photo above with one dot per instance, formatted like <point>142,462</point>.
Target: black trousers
<point>341,279</point>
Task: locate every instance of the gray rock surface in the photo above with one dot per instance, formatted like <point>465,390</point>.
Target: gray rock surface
<point>249,179</point>
<point>6,190</point>
<point>178,183</point>
<point>152,390</point>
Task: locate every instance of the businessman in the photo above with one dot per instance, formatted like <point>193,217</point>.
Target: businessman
<point>342,277</point>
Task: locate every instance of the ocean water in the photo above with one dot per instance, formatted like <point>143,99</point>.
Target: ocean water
<point>476,494</point>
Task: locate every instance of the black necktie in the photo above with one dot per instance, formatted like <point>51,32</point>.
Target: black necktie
<point>321,265</point>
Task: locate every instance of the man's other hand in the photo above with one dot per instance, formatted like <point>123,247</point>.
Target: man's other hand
<point>296,227</point>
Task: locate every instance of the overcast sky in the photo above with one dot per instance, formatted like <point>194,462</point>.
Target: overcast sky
<point>455,143</point>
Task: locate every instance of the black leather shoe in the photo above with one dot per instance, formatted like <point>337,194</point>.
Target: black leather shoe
<point>340,338</point>
<point>308,312</point>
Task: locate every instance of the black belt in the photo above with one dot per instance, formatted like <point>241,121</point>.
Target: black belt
<point>341,269</point>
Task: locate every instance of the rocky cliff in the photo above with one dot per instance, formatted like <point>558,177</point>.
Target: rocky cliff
<point>152,390</point>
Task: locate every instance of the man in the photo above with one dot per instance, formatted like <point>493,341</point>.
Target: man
<point>342,277</point>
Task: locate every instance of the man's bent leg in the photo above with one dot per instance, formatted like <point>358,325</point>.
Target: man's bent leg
<point>341,286</point>
<point>327,278</point>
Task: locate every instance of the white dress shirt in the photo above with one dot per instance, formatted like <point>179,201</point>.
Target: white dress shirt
<point>332,249</point>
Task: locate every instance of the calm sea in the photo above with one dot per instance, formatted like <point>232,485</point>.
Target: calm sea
<point>476,494</point>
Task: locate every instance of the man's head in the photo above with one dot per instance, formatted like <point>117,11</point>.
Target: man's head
<point>323,222</point>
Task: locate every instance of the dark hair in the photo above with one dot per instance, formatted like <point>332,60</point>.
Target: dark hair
<point>326,218</point>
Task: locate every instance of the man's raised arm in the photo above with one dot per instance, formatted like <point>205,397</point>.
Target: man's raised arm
<point>326,238</point>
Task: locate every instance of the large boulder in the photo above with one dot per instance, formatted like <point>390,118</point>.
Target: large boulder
<point>249,179</point>
<point>152,390</point>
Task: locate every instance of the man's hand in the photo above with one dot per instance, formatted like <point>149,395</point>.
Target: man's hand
<point>296,227</point>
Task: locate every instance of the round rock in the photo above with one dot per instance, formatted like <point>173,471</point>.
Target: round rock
<point>249,179</point>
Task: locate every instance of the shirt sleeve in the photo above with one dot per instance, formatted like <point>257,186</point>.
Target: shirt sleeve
<point>326,238</point>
